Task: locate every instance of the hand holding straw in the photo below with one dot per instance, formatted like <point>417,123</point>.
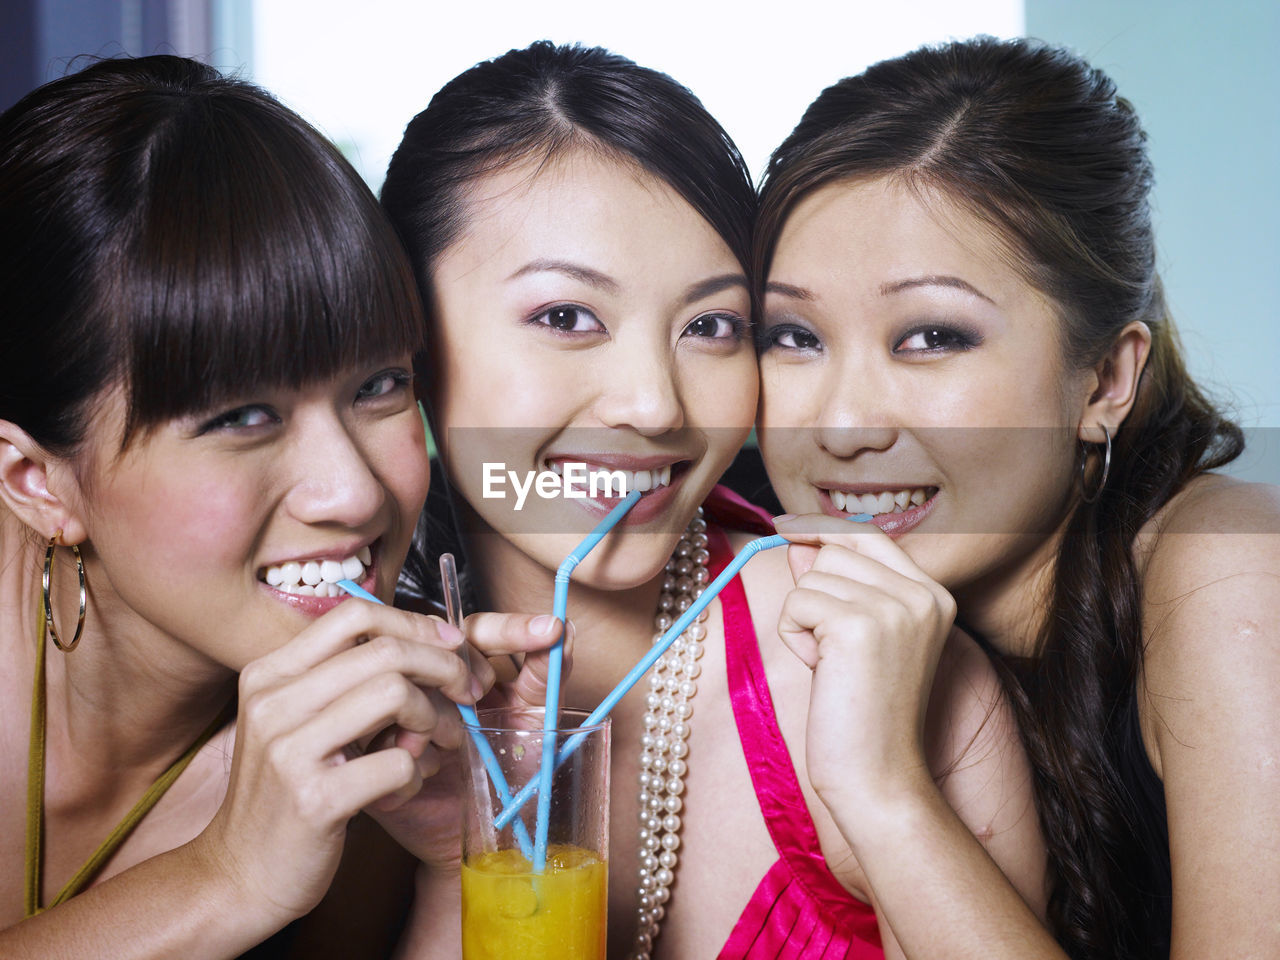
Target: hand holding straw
<point>641,667</point>
<point>650,658</point>
<point>453,613</point>
<point>551,712</point>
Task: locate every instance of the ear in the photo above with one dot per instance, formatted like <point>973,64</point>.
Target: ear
<point>39,488</point>
<point>1116,376</point>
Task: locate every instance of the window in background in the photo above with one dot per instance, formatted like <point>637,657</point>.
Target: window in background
<point>360,72</point>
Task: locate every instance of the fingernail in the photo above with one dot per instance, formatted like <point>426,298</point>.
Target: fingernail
<point>859,517</point>
<point>449,634</point>
<point>784,517</point>
<point>477,688</point>
<point>542,625</point>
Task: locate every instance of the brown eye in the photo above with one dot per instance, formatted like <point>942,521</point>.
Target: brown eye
<point>569,318</point>
<point>937,339</point>
<point>789,337</point>
<point>715,326</point>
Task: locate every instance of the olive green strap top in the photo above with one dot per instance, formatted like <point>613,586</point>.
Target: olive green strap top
<point>35,797</point>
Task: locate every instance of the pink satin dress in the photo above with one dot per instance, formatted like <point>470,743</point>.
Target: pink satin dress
<point>798,910</point>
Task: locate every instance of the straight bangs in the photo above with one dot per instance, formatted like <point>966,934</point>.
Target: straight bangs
<point>257,260</point>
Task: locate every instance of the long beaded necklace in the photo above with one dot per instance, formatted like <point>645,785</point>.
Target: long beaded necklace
<point>664,740</point>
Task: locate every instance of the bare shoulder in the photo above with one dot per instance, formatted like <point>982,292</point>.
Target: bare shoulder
<point>1210,717</point>
<point>1216,527</point>
<point>1210,565</point>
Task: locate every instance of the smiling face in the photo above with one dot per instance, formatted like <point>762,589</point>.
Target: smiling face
<point>187,525</point>
<point>589,314</point>
<point>910,372</point>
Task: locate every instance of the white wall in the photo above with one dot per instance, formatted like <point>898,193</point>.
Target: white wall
<point>361,71</point>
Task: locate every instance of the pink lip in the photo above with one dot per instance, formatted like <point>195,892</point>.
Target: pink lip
<point>894,524</point>
<point>652,503</point>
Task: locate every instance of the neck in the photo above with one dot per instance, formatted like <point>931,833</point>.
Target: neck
<point>128,697</point>
<point>1008,605</point>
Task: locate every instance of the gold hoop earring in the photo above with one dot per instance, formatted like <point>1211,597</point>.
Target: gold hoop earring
<point>1106,471</point>
<point>48,604</point>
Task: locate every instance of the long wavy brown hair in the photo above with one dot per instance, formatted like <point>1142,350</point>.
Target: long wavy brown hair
<point>1038,145</point>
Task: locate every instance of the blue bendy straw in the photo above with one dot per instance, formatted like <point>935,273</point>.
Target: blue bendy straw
<point>500,785</point>
<point>650,658</point>
<point>642,667</point>
<point>551,711</point>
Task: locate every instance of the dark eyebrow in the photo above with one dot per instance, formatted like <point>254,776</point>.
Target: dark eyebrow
<point>575,271</point>
<point>787,290</point>
<point>933,281</point>
<point>713,285</point>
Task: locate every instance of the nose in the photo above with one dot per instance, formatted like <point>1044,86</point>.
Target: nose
<point>335,482</point>
<point>639,388</point>
<point>856,411</point>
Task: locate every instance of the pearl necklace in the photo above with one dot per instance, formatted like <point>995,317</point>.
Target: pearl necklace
<point>664,741</point>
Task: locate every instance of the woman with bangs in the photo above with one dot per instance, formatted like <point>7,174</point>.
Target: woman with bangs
<point>580,229</point>
<point>965,336</point>
<point>206,420</point>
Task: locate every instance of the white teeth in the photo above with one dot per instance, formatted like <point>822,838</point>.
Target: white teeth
<point>878,503</point>
<point>318,577</point>
<point>642,480</point>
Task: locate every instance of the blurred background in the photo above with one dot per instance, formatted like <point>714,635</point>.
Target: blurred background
<point>1205,79</point>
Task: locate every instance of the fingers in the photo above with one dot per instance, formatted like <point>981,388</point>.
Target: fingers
<point>818,529</point>
<point>274,708</point>
<point>379,702</point>
<point>349,625</point>
<point>529,686</point>
<point>853,613</point>
<point>505,633</point>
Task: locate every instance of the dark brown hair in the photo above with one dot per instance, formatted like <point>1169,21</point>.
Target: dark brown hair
<point>1037,144</point>
<point>184,234</point>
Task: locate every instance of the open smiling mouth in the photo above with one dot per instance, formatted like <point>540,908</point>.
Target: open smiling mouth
<point>318,578</point>
<point>880,502</point>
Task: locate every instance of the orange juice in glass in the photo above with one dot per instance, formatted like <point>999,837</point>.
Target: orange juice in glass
<point>509,912</point>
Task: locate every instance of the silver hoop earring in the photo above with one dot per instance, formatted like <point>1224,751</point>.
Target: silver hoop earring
<point>1106,471</point>
<point>48,602</point>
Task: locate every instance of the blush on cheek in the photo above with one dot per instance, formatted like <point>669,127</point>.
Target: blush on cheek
<point>205,521</point>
